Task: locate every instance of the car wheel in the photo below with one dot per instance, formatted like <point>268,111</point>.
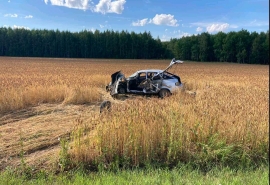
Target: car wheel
<point>121,90</point>
<point>164,93</point>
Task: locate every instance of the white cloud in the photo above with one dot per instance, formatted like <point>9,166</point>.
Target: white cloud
<point>217,27</point>
<point>199,29</point>
<point>28,17</point>
<point>11,15</point>
<point>92,30</point>
<point>180,34</point>
<point>105,25</point>
<point>165,38</point>
<point>89,30</point>
<point>20,27</point>
<point>109,6</point>
<point>77,4</point>
<point>16,27</point>
<point>184,26</point>
<point>174,34</point>
<point>103,6</point>
<point>213,27</point>
<point>140,22</point>
<point>258,23</point>
<point>164,19</point>
<point>161,19</point>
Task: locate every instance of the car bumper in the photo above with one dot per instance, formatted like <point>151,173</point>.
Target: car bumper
<point>177,88</point>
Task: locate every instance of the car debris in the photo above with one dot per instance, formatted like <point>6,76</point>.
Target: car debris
<point>105,106</point>
<point>149,81</point>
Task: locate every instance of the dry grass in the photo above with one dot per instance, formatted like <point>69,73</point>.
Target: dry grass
<point>30,82</point>
<point>208,128</point>
<point>227,122</point>
<point>231,108</point>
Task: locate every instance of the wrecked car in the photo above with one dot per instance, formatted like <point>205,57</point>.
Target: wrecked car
<point>149,81</point>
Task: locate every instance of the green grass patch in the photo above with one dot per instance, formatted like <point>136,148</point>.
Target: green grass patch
<point>180,175</point>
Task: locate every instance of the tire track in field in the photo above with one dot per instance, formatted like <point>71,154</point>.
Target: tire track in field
<point>36,131</point>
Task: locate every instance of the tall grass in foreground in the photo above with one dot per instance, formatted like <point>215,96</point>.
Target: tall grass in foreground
<point>214,128</point>
<point>181,175</point>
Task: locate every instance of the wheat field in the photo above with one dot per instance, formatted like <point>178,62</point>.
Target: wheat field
<point>42,100</point>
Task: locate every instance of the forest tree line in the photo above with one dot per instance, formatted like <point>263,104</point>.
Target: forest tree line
<point>238,47</point>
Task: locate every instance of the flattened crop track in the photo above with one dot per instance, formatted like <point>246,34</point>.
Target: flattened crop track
<point>36,132</point>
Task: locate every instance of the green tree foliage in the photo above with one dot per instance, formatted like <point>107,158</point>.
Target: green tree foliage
<point>238,47</point>
<point>219,40</point>
<point>205,46</point>
<point>84,44</point>
<point>242,46</point>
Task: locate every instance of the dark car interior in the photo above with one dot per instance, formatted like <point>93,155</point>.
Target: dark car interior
<point>134,83</point>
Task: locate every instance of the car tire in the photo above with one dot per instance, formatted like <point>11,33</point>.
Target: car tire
<point>121,90</point>
<point>164,93</point>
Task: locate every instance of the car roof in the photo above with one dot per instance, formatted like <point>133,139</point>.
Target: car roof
<point>150,71</point>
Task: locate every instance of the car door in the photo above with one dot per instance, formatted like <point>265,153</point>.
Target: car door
<point>140,78</point>
<point>132,82</point>
<point>151,83</point>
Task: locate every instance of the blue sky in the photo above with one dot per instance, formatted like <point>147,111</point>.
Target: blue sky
<point>162,18</point>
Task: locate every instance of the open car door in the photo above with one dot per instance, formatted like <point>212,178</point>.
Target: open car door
<point>173,62</point>
<point>116,78</point>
